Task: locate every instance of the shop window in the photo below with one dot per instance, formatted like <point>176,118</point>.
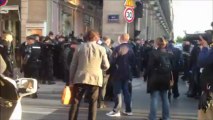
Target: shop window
<point>6,25</point>
<point>31,31</point>
<point>89,21</point>
<point>66,25</point>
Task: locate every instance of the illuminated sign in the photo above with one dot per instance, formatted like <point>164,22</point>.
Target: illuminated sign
<point>129,3</point>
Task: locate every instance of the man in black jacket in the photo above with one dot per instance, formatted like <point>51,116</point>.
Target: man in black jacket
<point>205,61</point>
<point>123,60</point>
<point>32,59</point>
<point>47,61</point>
<point>177,65</point>
<point>194,81</point>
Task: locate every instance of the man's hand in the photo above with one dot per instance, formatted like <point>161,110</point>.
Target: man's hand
<point>203,42</point>
<point>204,99</point>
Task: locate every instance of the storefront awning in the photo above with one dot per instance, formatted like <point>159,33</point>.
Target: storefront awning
<point>6,9</point>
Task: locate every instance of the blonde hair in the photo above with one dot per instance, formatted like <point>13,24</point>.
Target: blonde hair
<point>161,42</point>
<point>7,37</point>
<point>125,37</point>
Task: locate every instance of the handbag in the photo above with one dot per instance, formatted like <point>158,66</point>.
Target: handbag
<point>66,95</point>
<point>171,82</point>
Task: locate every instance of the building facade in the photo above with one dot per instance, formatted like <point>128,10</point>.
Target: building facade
<point>156,21</point>
<point>10,19</point>
<point>27,17</point>
<point>60,16</point>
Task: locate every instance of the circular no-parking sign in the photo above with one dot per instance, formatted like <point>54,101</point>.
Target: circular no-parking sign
<point>3,2</point>
<point>129,14</point>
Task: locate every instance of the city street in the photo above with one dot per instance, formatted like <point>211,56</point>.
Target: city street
<point>83,40</point>
<point>48,106</point>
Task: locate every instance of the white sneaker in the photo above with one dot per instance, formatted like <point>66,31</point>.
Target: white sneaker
<point>113,114</point>
<point>128,113</point>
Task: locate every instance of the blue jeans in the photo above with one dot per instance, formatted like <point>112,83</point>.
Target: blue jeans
<point>154,105</point>
<point>118,86</point>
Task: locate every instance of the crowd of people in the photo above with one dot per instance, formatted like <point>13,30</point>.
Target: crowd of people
<point>101,70</point>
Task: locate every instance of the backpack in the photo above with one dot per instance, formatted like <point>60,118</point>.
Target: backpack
<point>164,65</point>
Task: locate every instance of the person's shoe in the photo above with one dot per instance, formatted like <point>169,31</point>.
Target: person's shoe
<point>197,97</point>
<point>128,113</point>
<point>113,114</point>
<point>102,106</point>
<point>86,100</point>
<point>176,96</point>
<point>43,82</point>
<point>51,82</point>
<point>34,96</point>
<point>191,95</point>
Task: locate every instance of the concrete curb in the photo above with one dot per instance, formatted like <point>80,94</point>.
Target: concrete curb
<point>50,92</point>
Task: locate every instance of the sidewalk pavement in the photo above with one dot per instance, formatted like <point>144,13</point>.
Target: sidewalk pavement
<point>51,89</point>
<point>59,86</point>
<point>48,105</point>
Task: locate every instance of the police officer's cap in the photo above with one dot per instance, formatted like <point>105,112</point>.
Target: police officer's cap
<point>31,37</point>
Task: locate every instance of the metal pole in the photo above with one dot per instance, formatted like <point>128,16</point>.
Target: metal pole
<point>147,28</point>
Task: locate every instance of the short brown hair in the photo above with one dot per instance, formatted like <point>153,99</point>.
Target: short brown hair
<point>161,42</point>
<point>90,35</point>
<point>105,38</point>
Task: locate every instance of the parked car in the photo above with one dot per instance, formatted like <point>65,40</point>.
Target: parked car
<point>11,93</point>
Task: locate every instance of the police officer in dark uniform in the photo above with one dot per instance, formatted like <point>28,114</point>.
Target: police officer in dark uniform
<point>32,59</point>
<point>47,61</point>
<point>5,52</point>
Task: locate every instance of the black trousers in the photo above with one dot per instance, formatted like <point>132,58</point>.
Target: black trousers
<point>32,71</point>
<point>195,83</point>
<point>47,71</point>
<point>175,87</point>
<point>78,92</point>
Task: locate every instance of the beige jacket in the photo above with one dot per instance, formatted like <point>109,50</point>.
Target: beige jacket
<point>87,64</point>
<point>2,65</point>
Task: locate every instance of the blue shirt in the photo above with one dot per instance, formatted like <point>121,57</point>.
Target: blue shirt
<point>205,57</point>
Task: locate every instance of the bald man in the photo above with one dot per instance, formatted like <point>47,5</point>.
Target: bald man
<point>123,60</point>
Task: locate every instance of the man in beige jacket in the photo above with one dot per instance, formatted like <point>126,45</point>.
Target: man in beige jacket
<point>86,74</point>
<point>2,65</point>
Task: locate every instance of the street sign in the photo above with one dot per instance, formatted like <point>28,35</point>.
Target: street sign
<point>3,2</point>
<point>113,18</point>
<point>129,14</point>
<point>129,3</point>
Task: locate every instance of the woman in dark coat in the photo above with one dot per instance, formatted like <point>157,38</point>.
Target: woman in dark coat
<point>159,71</point>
